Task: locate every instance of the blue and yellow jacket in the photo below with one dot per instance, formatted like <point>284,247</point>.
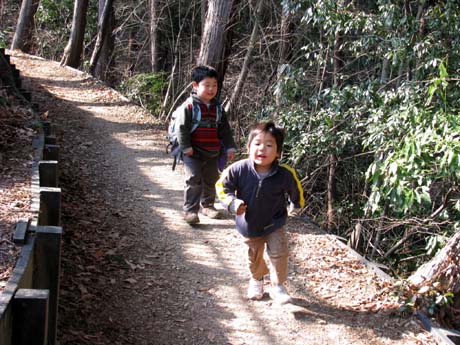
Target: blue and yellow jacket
<point>266,198</point>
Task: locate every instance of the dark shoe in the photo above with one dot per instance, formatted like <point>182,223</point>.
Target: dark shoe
<point>211,212</point>
<point>191,218</point>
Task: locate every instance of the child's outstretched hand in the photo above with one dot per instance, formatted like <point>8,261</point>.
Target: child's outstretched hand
<point>294,212</point>
<point>230,155</point>
<point>237,206</point>
<point>241,209</point>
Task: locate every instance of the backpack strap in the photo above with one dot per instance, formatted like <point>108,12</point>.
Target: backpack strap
<point>196,114</point>
<point>195,108</point>
<point>218,113</point>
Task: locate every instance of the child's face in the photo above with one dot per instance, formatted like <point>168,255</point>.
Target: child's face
<point>263,151</point>
<point>206,89</point>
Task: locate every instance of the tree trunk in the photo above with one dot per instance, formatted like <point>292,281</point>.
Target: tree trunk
<point>285,48</point>
<point>106,61</point>
<point>2,11</point>
<point>104,29</point>
<point>154,35</point>
<point>337,64</point>
<point>444,267</point>
<point>130,55</point>
<point>212,41</point>
<point>23,35</point>
<point>169,91</point>
<point>330,221</point>
<point>385,71</point>
<point>379,230</point>
<point>229,35</point>
<point>356,237</point>
<point>204,10</point>
<point>244,69</point>
<point>74,49</point>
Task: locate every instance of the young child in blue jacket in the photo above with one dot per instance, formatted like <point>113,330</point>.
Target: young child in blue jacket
<point>256,190</point>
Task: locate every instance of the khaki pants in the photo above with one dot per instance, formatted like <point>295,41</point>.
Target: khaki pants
<point>269,254</point>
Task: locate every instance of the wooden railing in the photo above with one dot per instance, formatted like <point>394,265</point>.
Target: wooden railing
<point>29,301</point>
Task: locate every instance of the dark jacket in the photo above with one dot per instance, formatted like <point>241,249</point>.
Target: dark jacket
<point>184,125</point>
<point>266,198</point>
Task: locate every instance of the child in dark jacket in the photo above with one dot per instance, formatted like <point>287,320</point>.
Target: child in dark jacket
<point>255,190</point>
<point>201,144</point>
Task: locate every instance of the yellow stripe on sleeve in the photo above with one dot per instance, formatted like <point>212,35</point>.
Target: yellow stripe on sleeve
<point>224,198</point>
<point>299,185</point>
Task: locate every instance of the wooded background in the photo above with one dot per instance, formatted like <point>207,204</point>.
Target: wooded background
<point>366,90</point>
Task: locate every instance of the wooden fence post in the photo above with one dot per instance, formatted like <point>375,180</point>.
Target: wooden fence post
<point>51,153</point>
<point>21,277</point>
<point>46,125</point>
<point>48,172</point>
<point>47,275</point>
<point>50,206</point>
<point>30,317</point>
<point>50,140</point>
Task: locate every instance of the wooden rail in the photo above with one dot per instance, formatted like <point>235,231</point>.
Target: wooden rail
<point>29,302</point>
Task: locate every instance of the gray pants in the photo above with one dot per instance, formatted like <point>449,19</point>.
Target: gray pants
<point>200,179</point>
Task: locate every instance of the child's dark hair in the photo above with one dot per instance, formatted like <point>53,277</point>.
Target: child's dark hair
<point>268,127</point>
<point>203,71</point>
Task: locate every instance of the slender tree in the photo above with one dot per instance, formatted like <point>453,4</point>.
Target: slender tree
<point>23,36</point>
<point>176,66</point>
<point>103,41</point>
<point>247,59</point>
<point>285,45</point>
<point>154,35</point>
<point>130,54</point>
<point>74,49</point>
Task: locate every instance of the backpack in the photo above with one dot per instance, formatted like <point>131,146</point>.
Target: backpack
<point>173,148</point>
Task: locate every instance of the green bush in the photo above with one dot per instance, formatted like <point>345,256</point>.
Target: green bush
<point>145,89</point>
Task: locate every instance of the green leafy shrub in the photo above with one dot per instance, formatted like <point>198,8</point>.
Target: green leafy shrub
<point>145,89</point>
<point>418,149</point>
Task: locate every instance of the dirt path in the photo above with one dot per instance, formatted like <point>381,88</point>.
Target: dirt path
<point>134,273</point>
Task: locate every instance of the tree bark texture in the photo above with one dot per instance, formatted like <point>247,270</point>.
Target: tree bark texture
<point>285,47</point>
<point>105,62</point>
<point>228,44</point>
<point>204,9</point>
<point>444,267</point>
<point>104,29</point>
<point>330,221</point>
<point>154,35</point>
<point>213,39</point>
<point>74,49</point>
<point>2,10</point>
<point>286,31</point>
<point>131,51</point>
<point>23,35</point>
<point>247,59</point>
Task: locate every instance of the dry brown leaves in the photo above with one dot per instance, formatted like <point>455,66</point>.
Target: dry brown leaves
<point>16,157</point>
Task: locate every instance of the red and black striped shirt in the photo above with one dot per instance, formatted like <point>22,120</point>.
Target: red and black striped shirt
<point>205,135</point>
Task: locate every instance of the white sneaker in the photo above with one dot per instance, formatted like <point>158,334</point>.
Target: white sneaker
<point>279,294</point>
<point>256,289</point>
